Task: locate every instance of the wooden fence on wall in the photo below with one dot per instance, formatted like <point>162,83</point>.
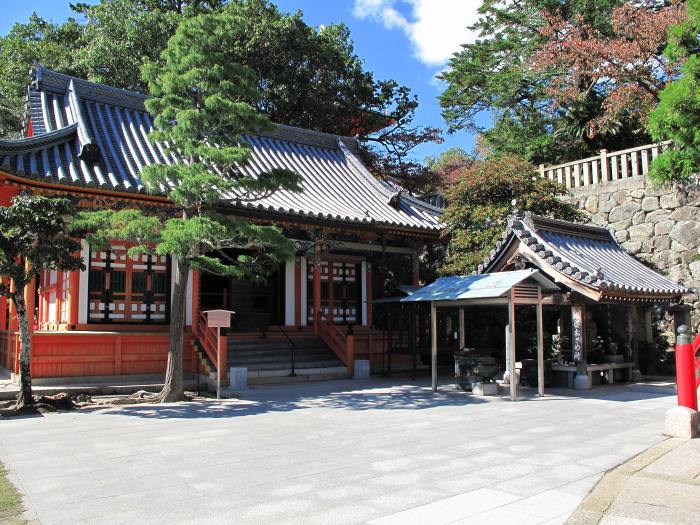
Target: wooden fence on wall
<point>605,167</point>
<point>78,354</point>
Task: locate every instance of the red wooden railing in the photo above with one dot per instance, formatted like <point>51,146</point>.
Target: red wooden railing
<point>343,345</point>
<point>214,345</point>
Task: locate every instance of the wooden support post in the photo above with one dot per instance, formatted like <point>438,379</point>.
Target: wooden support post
<point>461,328</point>
<point>540,345</point>
<point>411,313</point>
<point>12,323</point>
<point>297,292</point>
<point>74,298</point>
<point>433,344</point>
<point>633,340</point>
<point>29,301</point>
<point>222,358</point>
<point>317,297</point>
<point>368,294</point>
<point>390,336</point>
<point>510,348</point>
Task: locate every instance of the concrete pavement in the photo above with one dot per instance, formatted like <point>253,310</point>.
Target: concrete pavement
<point>370,451</point>
<point>661,485</point>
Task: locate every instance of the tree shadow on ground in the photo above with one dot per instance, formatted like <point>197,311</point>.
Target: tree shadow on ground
<point>364,396</point>
<point>353,395</point>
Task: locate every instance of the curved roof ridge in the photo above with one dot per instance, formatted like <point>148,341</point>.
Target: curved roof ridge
<point>15,146</point>
<point>584,254</point>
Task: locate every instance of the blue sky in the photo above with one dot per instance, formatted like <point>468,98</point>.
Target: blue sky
<point>407,40</point>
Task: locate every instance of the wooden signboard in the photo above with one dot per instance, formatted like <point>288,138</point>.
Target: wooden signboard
<point>219,318</point>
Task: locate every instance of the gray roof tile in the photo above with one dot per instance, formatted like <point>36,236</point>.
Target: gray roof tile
<point>588,255</point>
<point>67,113</point>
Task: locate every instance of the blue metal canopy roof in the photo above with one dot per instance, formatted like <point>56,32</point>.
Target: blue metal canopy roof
<point>484,286</point>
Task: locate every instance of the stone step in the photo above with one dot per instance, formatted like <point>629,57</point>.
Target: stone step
<point>266,347</point>
<point>302,375</point>
<point>283,353</point>
<point>287,365</point>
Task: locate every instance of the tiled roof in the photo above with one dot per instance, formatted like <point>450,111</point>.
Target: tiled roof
<point>93,135</point>
<point>586,256</point>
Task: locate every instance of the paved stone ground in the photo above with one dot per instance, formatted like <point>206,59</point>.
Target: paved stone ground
<point>334,452</point>
<point>661,485</point>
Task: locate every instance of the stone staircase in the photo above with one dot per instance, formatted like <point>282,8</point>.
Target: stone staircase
<point>268,357</point>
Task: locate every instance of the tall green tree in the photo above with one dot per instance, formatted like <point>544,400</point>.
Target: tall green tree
<point>481,200</point>
<point>677,117</point>
<point>38,40</point>
<point>492,77</point>
<point>200,102</point>
<point>33,237</point>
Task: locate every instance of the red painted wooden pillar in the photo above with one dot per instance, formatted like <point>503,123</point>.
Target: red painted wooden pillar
<point>29,294</point>
<point>317,297</point>
<point>59,296</point>
<point>297,292</point>
<point>74,298</point>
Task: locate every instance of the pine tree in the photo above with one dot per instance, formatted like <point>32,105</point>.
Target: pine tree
<point>200,102</point>
<point>33,238</point>
<point>677,117</point>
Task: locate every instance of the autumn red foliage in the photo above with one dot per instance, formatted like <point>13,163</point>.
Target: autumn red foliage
<point>624,65</point>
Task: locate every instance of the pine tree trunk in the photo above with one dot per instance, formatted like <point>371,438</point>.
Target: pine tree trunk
<point>173,389</point>
<point>25,377</point>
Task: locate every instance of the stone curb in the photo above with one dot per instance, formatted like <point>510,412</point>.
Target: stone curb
<point>592,509</point>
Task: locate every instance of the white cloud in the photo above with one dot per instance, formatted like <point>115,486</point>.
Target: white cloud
<point>436,28</point>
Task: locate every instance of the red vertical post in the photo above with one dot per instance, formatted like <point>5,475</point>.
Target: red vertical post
<point>317,297</point>
<point>74,298</point>
<point>685,370</point>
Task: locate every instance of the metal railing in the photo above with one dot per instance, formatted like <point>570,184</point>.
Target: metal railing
<point>294,349</point>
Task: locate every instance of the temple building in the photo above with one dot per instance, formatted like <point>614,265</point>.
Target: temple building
<point>89,142</point>
<point>606,300</point>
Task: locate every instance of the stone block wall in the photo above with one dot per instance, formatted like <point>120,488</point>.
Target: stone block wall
<point>660,226</point>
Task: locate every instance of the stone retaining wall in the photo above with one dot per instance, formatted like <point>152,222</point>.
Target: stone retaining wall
<point>660,226</point>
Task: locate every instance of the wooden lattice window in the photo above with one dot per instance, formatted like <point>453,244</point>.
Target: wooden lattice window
<point>125,290</point>
<point>340,291</point>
